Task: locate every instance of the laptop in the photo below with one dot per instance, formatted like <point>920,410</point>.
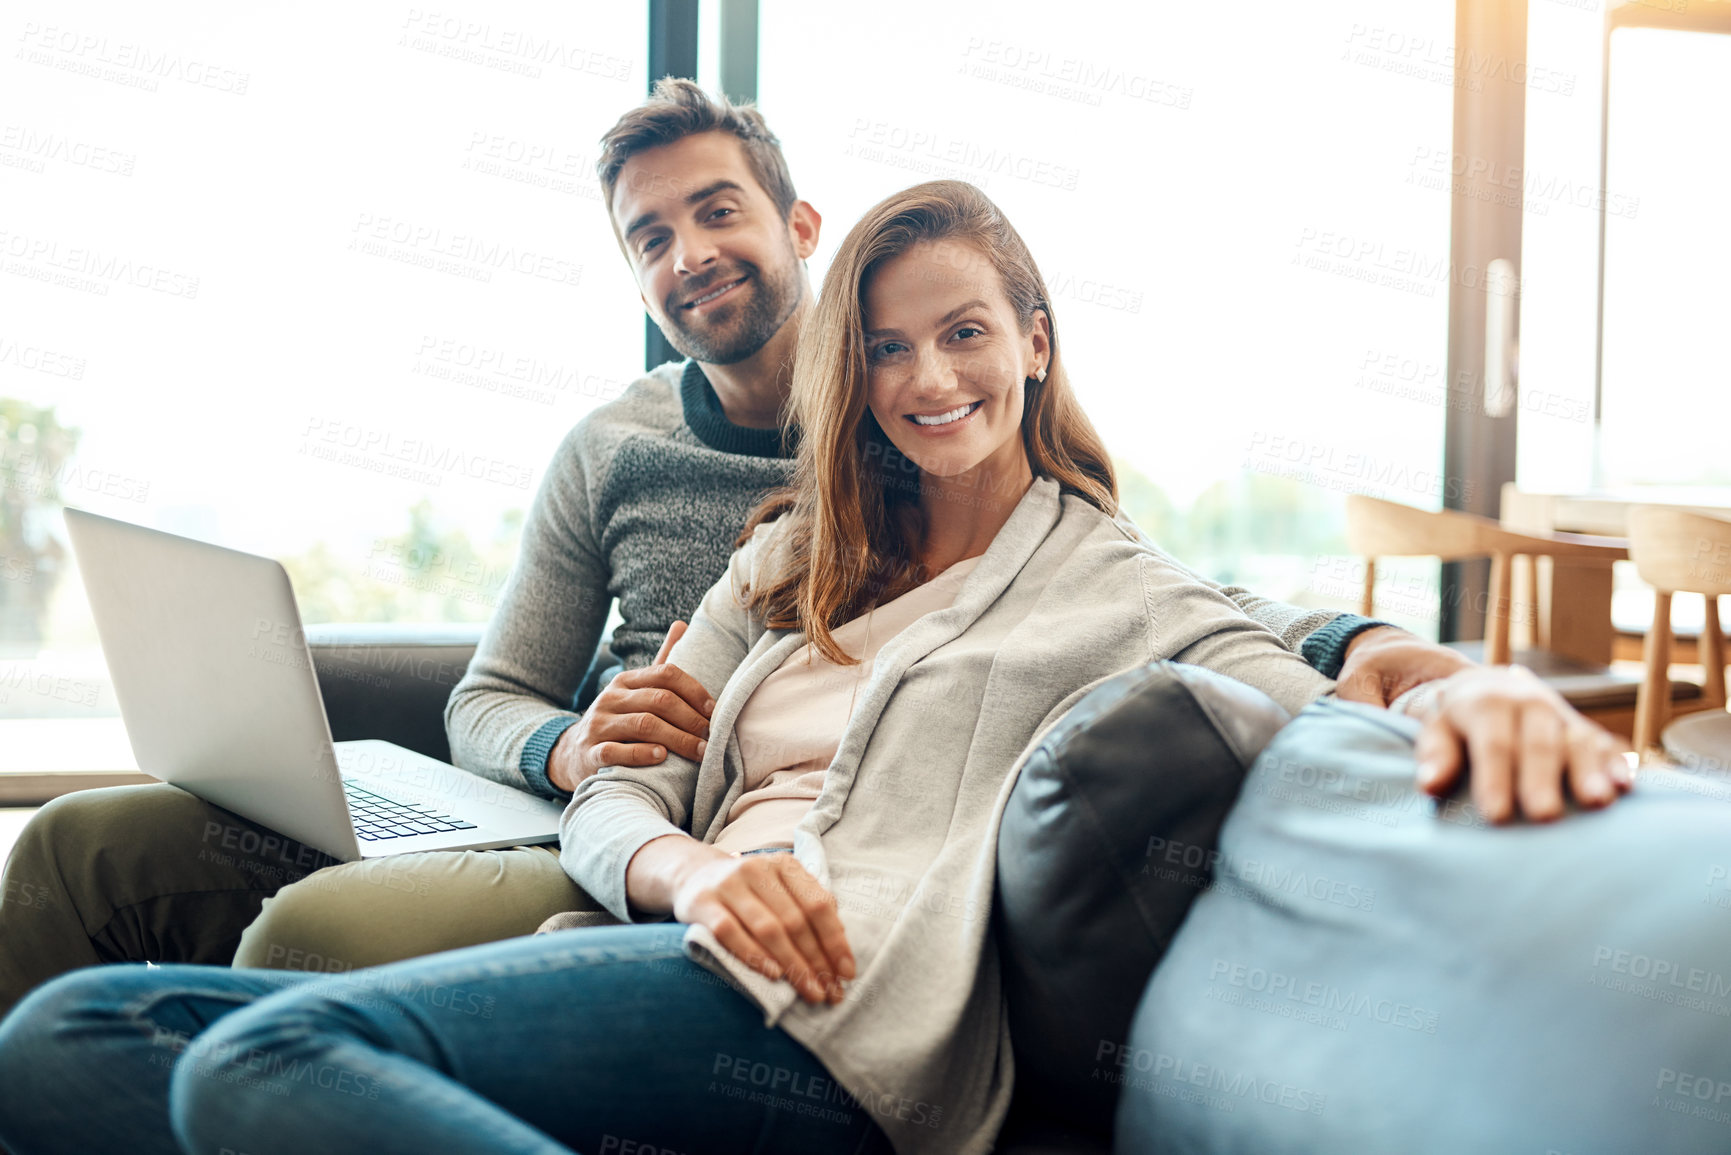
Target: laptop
<point>218,694</point>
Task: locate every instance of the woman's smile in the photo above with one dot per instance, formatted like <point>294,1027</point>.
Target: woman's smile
<point>947,422</point>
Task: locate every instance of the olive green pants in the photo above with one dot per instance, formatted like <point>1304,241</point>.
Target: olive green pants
<point>152,873</point>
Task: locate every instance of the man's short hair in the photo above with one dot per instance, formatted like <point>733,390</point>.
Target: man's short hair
<point>677,109</point>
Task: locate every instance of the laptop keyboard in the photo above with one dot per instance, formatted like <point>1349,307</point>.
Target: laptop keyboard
<point>378,818</point>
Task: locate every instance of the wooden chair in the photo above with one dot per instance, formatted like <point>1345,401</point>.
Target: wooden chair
<point>1676,551</point>
<point>1377,529</point>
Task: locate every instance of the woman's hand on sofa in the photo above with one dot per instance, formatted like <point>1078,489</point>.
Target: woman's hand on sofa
<point>1518,741</point>
<point>768,911</point>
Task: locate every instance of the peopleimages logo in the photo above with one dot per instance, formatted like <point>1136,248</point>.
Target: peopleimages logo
<point>38,148</point>
<point>39,360</point>
<point>1662,971</point>
<point>518,50</point>
<point>880,140</point>
<point>1233,1086</point>
<point>509,372</point>
<point>464,253</point>
<point>37,256</point>
<point>381,450</point>
<point>1323,996</point>
<point>122,61</point>
<point>1074,78</point>
<point>1536,191</point>
<point>1328,467</point>
<point>1267,877</point>
<point>31,473</point>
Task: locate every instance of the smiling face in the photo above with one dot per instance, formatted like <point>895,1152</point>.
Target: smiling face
<point>946,360</point>
<point>717,265</point>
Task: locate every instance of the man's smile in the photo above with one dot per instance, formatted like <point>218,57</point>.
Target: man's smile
<point>713,295</point>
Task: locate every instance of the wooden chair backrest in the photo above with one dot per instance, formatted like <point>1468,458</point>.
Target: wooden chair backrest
<point>1378,528</point>
<point>1681,552</point>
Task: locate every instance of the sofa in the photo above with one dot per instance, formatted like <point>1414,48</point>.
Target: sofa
<point>1095,875</point>
<point>1311,956</point>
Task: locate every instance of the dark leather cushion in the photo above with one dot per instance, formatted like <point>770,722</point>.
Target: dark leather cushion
<point>1106,841</point>
<point>391,680</point>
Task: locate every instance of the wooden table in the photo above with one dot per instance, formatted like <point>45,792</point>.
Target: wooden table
<point>1573,600</point>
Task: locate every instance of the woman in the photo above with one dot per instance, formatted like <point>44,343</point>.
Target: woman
<point>945,578</point>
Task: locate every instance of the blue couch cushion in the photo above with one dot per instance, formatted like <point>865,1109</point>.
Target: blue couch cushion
<point>1378,971</point>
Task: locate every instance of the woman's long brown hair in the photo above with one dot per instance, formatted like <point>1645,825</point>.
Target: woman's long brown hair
<point>853,503</point>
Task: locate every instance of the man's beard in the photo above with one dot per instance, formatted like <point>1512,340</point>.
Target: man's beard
<point>771,298</point>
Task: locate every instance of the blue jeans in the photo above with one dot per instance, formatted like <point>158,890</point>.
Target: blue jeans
<point>605,1041</point>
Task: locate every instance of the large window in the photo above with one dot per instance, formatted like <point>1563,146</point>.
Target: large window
<point>1667,376</point>
<point>1666,388</point>
<point>1242,214</point>
<point>327,283</point>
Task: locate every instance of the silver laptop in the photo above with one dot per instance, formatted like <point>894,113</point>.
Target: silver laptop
<point>217,691</point>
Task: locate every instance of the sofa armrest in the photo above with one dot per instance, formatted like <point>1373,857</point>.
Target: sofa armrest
<point>391,680</point>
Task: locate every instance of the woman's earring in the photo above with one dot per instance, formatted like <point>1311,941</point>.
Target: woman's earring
<point>1040,376</point>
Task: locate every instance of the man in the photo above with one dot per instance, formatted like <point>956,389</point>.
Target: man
<point>641,503</point>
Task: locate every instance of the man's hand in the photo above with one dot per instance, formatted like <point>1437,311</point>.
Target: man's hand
<point>1522,741</point>
<point>1382,663</point>
<point>635,721</point>
<point>768,911</point>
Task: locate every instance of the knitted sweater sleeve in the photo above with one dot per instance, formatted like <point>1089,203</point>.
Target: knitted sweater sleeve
<point>515,699</point>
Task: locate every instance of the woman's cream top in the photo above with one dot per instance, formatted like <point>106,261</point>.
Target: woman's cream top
<point>789,728</point>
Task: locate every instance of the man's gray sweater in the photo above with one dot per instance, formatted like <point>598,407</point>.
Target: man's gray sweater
<point>643,503</point>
